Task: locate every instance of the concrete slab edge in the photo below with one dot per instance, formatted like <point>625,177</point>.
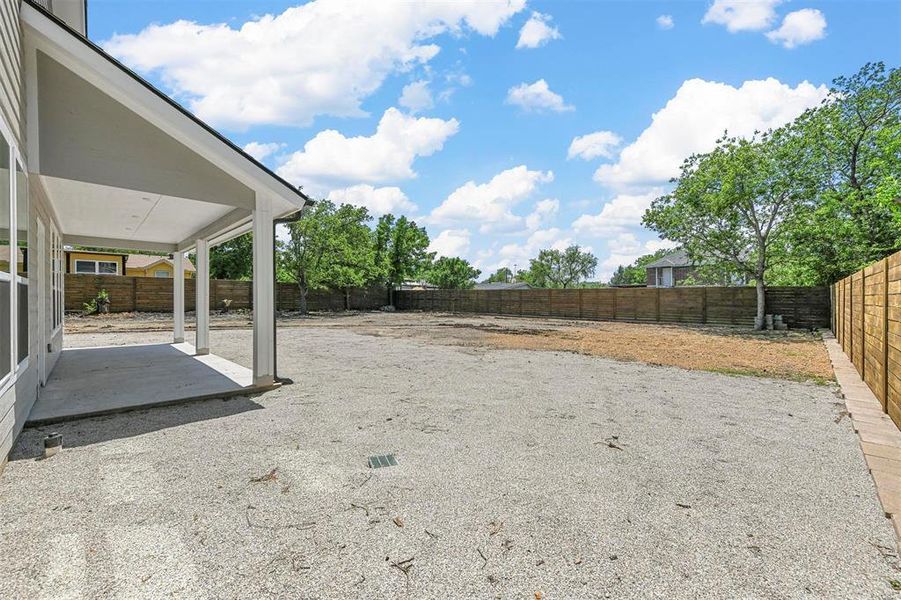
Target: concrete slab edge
<point>247,391</point>
<point>879,437</point>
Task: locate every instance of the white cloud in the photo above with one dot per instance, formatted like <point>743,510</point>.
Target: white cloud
<point>537,31</point>
<point>696,116</point>
<point>388,154</point>
<point>379,201</point>
<point>450,242</point>
<point>742,15</point>
<point>520,254</point>
<point>260,150</point>
<point>665,22</point>
<point>625,210</point>
<point>490,203</point>
<point>799,27</point>
<point>593,145</point>
<point>544,211</point>
<point>321,58</point>
<point>416,96</point>
<point>536,97</point>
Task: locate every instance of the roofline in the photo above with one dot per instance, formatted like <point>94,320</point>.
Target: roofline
<point>150,87</point>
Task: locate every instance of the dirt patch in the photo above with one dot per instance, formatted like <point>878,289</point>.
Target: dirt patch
<point>794,355</point>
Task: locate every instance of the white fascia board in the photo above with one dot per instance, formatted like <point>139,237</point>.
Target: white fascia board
<point>119,244</point>
<point>86,62</point>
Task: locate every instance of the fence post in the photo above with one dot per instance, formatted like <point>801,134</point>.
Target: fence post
<point>863,325</point>
<point>615,293</point>
<point>851,320</point>
<point>580,302</point>
<point>704,306</point>
<point>657,301</point>
<point>885,334</point>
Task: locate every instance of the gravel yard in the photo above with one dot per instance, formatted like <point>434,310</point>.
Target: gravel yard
<point>521,474</point>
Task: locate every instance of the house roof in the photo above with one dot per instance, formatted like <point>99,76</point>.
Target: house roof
<point>501,285</point>
<point>147,85</point>
<point>132,261</point>
<point>676,258</point>
<point>144,261</point>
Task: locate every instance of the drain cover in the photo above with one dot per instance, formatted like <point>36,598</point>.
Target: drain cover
<point>382,460</point>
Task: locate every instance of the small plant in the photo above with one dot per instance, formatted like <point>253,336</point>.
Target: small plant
<point>226,304</point>
<point>100,303</point>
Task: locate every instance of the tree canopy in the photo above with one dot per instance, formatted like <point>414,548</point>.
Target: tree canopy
<point>233,259</point>
<point>452,273</point>
<point>560,269</point>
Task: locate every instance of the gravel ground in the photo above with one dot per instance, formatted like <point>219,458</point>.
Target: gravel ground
<point>520,473</point>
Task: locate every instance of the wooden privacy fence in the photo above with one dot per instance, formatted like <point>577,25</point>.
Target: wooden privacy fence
<point>867,324</point>
<point>150,294</point>
<point>800,306</point>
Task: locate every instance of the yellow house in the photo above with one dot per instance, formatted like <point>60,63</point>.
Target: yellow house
<point>112,263</point>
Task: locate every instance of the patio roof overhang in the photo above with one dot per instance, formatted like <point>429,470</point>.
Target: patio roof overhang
<point>122,164</point>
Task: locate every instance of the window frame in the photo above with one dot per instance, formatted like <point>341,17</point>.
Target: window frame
<point>56,280</point>
<point>15,158</point>
<point>96,263</point>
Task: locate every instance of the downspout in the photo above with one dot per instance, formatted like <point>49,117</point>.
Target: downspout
<point>292,218</point>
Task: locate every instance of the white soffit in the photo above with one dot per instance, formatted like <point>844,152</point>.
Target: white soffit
<point>91,210</point>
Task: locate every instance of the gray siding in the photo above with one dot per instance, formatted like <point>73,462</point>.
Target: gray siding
<point>16,402</point>
<point>11,67</point>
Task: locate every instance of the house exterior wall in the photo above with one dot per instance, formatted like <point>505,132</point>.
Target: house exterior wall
<point>654,276</point>
<point>16,400</point>
<point>72,256</point>
<point>11,68</point>
<point>150,270</point>
<point>18,395</point>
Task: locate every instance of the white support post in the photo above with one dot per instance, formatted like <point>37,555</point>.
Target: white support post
<point>178,297</point>
<point>263,293</point>
<point>202,297</point>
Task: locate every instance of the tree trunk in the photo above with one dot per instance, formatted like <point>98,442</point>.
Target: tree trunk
<point>760,321</point>
<point>303,299</point>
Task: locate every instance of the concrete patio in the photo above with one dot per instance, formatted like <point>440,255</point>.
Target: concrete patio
<point>102,380</point>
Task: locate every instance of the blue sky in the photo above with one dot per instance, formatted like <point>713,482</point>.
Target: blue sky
<point>504,127</point>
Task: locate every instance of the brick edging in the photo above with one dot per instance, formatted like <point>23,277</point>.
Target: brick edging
<point>880,439</point>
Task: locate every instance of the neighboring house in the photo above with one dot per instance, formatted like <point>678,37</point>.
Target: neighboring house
<point>676,269</point>
<point>93,155</point>
<point>116,263</point>
<point>501,285</point>
<point>416,285</point>
<point>670,270</point>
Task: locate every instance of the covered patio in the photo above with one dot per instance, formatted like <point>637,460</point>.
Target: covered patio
<point>89,382</point>
<point>124,167</point>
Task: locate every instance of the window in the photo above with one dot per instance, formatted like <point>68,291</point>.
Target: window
<point>7,265</point>
<point>96,267</point>
<point>162,273</point>
<point>22,226</point>
<point>56,277</point>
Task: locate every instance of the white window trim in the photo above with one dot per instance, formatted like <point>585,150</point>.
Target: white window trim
<point>96,263</point>
<point>18,163</point>
<point>57,295</point>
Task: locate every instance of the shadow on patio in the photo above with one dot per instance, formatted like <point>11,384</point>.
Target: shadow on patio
<point>89,382</point>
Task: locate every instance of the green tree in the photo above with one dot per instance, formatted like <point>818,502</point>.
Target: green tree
<point>452,273</point>
<point>329,247</point>
<point>233,259</point>
<point>636,274</point>
<point>852,156</point>
<point>560,269</point>
<point>399,250</point>
<point>502,275</point>
<point>729,206</point>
